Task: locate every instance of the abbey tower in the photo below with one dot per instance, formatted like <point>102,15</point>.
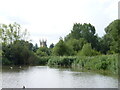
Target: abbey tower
<point>43,43</point>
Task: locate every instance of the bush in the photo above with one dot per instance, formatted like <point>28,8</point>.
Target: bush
<point>61,61</point>
<point>42,60</point>
<point>43,51</point>
<point>101,62</point>
<point>62,49</point>
<point>18,53</point>
<point>5,61</point>
<point>88,51</point>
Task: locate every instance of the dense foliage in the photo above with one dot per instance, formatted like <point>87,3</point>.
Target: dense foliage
<point>87,51</point>
<point>81,48</point>
<point>65,61</point>
<point>100,62</point>
<point>82,34</point>
<point>62,49</point>
<point>43,51</point>
<point>16,50</point>
<point>86,31</point>
<point>18,53</point>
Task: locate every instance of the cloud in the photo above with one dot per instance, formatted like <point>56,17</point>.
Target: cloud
<point>3,20</point>
<point>112,10</point>
<point>54,18</point>
<point>18,20</point>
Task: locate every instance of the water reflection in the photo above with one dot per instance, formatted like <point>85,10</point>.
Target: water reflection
<point>45,77</point>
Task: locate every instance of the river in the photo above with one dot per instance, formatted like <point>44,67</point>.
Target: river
<point>46,77</point>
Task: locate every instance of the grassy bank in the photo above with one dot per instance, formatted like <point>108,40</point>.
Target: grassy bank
<point>102,63</point>
<point>94,63</point>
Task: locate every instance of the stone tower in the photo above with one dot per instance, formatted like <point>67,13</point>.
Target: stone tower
<point>43,43</point>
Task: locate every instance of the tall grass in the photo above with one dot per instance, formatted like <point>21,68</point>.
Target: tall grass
<point>101,62</point>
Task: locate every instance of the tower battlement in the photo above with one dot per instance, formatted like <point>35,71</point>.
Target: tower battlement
<point>43,43</point>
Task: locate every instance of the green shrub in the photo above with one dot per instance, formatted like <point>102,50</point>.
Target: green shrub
<point>88,51</point>
<point>43,60</point>
<point>101,62</point>
<point>61,61</point>
<point>5,61</point>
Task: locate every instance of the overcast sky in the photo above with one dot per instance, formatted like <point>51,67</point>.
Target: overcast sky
<point>51,19</point>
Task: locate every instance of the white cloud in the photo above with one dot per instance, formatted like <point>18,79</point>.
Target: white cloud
<point>112,10</point>
<point>54,18</point>
<point>3,20</point>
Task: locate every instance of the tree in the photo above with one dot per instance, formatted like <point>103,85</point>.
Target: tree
<point>15,49</point>
<point>18,53</point>
<point>86,31</point>
<point>75,44</point>
<point>35,48</point>
<point>113,32</point>
<point>51,45</point>
<point>104,44</point>
<point>12,32</point>
<point>88,51</point>
<point>62,49</point>
<point>3,35</point>
<point>43,51</point>
<point>27,44</point>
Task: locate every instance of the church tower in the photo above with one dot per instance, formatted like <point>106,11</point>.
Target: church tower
<point>43,43</point>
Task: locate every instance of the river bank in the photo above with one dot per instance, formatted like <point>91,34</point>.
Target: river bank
<point>100,63</point>
<point>104,63</point>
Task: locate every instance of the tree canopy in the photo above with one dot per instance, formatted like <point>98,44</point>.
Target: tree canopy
<point>81,41</point>
<point>15,48</point>
<point>113,33</point>
<point>62,49</point>
<point>86,31</point>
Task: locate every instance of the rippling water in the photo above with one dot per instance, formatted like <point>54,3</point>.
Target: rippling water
<point>45,77</point>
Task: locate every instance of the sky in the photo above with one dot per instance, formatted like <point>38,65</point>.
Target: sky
<point>52,19</point>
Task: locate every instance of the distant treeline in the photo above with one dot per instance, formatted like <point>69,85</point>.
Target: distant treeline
<point>81,48</point>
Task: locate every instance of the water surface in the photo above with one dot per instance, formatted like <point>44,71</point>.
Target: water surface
<point>46,77</point>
